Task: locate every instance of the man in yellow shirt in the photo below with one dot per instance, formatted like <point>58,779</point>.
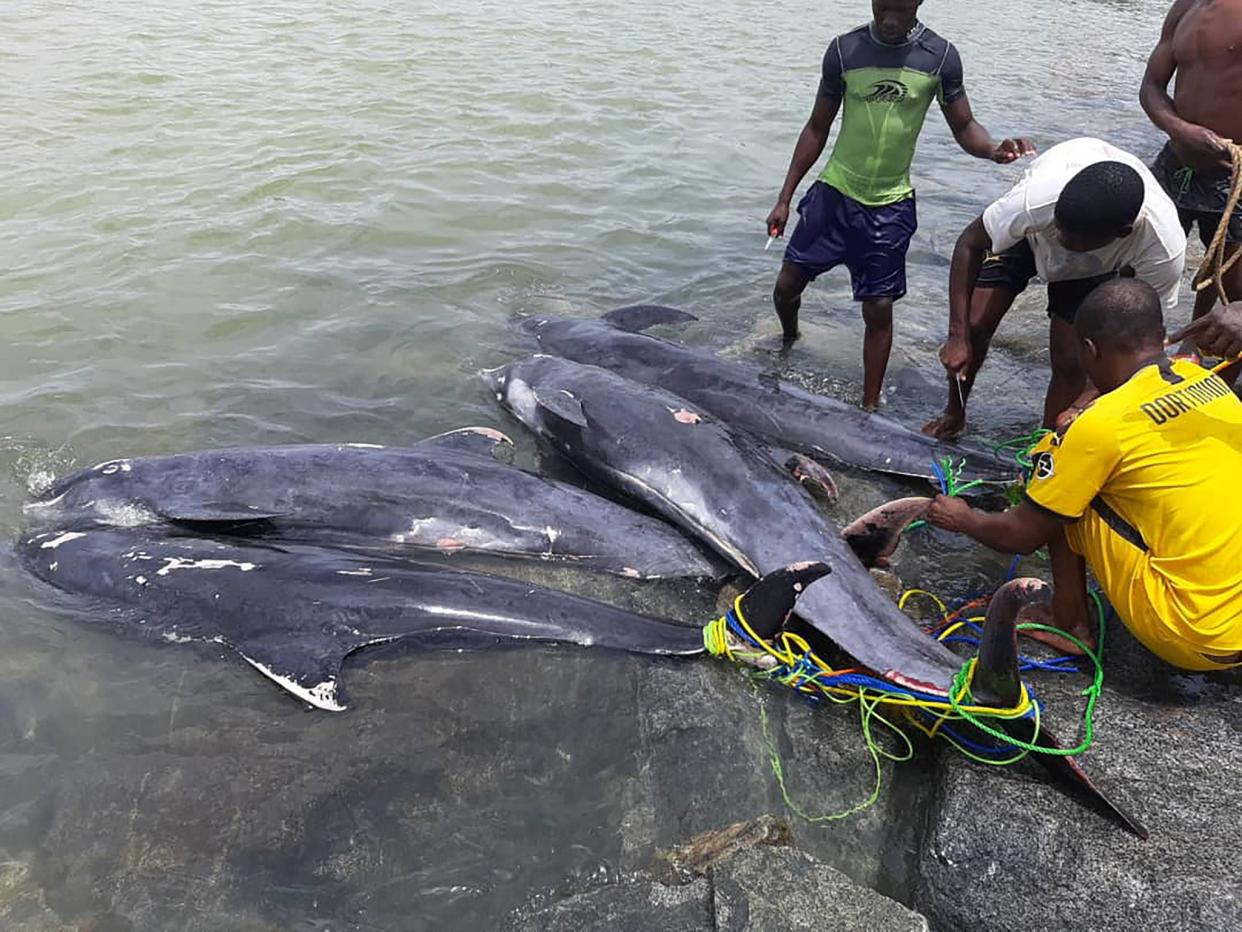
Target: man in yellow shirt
<point>1143,485</point>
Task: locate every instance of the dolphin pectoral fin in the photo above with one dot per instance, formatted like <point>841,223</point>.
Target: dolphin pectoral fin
<point>768,603</point>
<point>308,667</point>
<point>813,477</point>
<point>875,536</point>
<point>477,441</point>
<point>638,317</point>
<point>563,405</point>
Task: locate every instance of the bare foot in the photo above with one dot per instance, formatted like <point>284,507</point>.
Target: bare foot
<point>1043,615</point>
<point>946,427</point>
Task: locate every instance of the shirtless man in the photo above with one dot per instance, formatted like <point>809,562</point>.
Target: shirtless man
<point>1202,43</point>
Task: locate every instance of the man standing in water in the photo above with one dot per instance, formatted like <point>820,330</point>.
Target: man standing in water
<point>1201,43</point>
<point>861,211</point>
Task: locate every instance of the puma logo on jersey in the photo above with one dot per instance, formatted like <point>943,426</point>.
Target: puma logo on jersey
<point>887,92</point>
<point>1044,468</point>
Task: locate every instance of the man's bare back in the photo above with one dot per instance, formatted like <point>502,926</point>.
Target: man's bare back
<point>1201,43</point>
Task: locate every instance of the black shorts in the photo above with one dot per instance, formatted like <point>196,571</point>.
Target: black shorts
<point>1199,198</point>
<point>1015,267</point>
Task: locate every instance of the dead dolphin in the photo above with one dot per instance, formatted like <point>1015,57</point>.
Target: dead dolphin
<point>722,488</point>
<point>749,398</point>
<point>448,493</point>
<point>719,486</point>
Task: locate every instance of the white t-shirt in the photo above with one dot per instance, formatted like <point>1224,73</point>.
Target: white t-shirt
<point>1156,249</point>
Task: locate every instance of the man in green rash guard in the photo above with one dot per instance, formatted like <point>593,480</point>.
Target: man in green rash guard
<point>861,212</point>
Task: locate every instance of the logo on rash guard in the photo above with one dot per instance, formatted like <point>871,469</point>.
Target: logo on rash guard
<point>887,92</point>
<point>1043,466</point>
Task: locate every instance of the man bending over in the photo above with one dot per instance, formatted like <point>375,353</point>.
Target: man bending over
<point>1142,486</point>
<point>1084,212</point>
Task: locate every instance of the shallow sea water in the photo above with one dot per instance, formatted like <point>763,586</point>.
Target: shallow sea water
<point>230,224</point>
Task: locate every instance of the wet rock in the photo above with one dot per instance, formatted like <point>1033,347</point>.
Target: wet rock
<point>759,887</point>
<point>781,888</point>
<point>703,752</point>
<point>638,905</point>
<point>1009,850</point>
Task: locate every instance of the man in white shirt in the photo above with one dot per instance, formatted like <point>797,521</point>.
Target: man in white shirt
<point>1083,213</point>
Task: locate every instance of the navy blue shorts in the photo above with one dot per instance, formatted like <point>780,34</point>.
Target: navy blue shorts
<point>870,241</point>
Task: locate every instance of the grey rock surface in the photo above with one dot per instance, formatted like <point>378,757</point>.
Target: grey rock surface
<point>1009,850</point>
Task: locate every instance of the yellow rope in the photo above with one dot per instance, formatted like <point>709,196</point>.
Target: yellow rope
<point>1215,265</point>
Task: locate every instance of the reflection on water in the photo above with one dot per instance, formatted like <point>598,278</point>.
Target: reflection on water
<point>227,224</point>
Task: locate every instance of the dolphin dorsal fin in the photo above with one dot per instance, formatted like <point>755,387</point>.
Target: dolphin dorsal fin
<point>478,441</point>
<point>562,405</point>
<point>638,317</point>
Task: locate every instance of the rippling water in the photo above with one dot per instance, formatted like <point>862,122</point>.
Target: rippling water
<point>225,223</point>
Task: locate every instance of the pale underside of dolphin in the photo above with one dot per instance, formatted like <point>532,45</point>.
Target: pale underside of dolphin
<point>294,612</point>
<point>752,399</point>
<point>447,494</point>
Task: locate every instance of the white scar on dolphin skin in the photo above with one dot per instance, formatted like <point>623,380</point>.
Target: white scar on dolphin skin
<point>112,467</point>
<point>63,539</point>
<point>182,563</point>
<point>125,514</point>
<point>365,446</point>
<point>364,571</point>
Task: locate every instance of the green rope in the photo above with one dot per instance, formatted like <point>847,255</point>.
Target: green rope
<point>1092,692</point>
<point>867,711</point>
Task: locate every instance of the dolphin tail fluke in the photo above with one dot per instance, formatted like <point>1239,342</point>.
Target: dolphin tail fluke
<point>996,682</point>
<point>638,317</point>
<point>477,441</point>
<point>769,602</point>
<point>875,535</point>
<point>1070,772</point>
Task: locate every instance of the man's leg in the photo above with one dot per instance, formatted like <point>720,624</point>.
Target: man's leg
<point>1068,379</point>
<point>1070,612</point>
<point>787,297</point>
<point>877,344</point>
<point>988,306</point>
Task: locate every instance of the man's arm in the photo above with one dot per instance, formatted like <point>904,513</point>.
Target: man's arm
<point>1218,333</point>
<point>1193,143</point>
<point>811,142</point>
<point>1022,529</point>
<point>968,255</point>
<point>977,141</point>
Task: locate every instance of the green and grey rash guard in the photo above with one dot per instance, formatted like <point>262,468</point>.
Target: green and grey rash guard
<point>886,90</point>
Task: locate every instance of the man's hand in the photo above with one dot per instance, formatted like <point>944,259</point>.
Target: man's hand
<point>951,514</point>
<point>1201,148</point>
<point>1218,333</point>
<point>955,355</point>
<point>1010,150</point>
<point>777,219</point>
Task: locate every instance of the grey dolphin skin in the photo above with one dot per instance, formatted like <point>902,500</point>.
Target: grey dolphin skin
<point>722,488</point>
<point>661,450</point>
<point>447,493</point>
<point>749,398</point>
<point>295,612</point>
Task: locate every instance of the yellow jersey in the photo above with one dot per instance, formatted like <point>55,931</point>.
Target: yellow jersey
<point>1159,459</point>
